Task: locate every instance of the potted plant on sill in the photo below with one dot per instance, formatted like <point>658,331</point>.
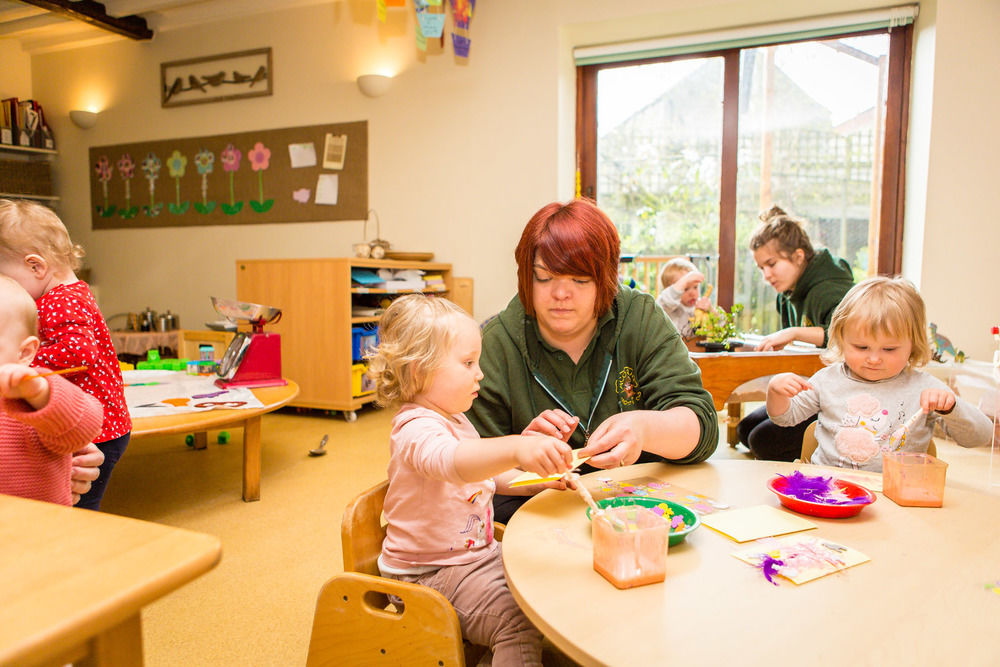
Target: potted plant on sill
<point>717,328</point>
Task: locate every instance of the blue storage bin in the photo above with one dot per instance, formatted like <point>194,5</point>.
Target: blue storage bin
<point>362,342</point>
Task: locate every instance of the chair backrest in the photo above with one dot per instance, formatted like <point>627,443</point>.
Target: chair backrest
<point>362,530</point>
<point>352,625</point>
<point>809,444</point>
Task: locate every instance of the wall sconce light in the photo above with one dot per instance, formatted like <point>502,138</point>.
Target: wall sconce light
<point>374,85</point>
<point>83,119</point>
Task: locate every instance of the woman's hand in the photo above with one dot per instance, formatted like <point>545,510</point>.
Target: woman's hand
<point>86,469</point>
<point>555,423</point>
<point>776,341</point>
<point>618,441</point>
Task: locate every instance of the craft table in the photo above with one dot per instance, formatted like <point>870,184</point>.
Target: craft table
<point>199,423</point>
<point>925,597</point>
<point>722,373</point>
<point>75,581</point>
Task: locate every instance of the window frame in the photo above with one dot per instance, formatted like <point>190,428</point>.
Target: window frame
<point>889,235</point>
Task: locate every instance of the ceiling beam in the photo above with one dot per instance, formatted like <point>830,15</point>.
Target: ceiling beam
<point>93,13</point>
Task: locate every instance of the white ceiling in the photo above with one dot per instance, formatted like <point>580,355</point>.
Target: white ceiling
<point>41,31</point>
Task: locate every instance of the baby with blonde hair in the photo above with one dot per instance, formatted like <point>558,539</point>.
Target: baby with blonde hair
<point>873,386</point>
<point>442,475</point>
<point>36,251</point>
<point>679,282</point>
<point>43,420</point>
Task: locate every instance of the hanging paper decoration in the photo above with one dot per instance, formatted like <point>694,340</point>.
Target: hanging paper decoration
<point>430,22</point>
<point>461,11</point>
<point>382,4</point>
<point>421,40</point>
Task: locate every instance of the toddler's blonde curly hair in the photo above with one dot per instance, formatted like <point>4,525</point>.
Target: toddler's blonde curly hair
<point>415,333</point>
<point>29,228</point>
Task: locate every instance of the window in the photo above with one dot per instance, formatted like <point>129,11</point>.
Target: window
<point>684,151</point>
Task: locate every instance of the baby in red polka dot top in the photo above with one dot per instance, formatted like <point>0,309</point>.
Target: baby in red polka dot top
<point>36,251</point>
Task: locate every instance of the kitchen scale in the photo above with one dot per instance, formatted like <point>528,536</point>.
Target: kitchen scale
<point>252,359</point>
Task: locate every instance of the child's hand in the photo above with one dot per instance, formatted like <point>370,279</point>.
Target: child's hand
<point>20,381</point>
<point>689,279</point>
<point>704,303</point>
<point>940,400</point>
<point>543,455</point>
<point>787,384</point>
<point>555,423</point>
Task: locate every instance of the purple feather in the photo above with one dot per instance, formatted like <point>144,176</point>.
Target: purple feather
<point>817,490</point>
<point>769,566</point>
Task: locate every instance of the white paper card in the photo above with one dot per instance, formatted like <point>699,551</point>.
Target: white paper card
<point>302,155</point>
<point>327,189</point>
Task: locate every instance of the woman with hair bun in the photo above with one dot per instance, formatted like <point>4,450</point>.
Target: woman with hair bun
<point>810,284</point>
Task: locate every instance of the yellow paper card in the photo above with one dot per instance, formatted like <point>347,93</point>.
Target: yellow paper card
<point>751,523</point>
<point>802,558</point>
<point>526,478</point>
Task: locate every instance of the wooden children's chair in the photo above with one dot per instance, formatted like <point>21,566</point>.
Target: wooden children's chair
<point>355,623</point>
<point>809,444</point>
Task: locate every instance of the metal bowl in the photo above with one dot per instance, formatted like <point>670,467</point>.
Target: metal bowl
<point>241,310</point>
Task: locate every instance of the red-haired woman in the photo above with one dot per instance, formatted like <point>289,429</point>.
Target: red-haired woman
<point>579,356</point>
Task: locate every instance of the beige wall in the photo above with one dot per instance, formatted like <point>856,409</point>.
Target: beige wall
<point>15,70</point>
<point>463,154</point>
<point>962,234</point>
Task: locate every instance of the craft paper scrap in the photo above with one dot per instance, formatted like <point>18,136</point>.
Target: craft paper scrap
<point>327,189</point>
<point>800,559</point>
<point>871,481</point>
<point>526,478</point>
<point>161,393</point>
<point>652,487</point>
<point>302,155</point>
<point>751,523</point>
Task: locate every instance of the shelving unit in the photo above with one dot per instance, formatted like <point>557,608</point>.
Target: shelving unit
<point>315,297</point>
<point>12,153</point>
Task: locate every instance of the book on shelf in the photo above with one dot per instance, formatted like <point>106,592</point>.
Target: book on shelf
<point>366,277</point>
<point>22,123</point>
<point>8,120</point>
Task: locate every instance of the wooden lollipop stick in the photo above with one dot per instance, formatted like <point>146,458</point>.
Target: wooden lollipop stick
<point>62,371</point>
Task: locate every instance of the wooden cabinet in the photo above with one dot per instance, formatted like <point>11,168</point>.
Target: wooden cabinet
<point>315,297</point>
<point>25,173</point>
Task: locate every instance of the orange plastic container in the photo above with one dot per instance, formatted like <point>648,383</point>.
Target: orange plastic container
<point>630,546</point>
<point>913,480</point>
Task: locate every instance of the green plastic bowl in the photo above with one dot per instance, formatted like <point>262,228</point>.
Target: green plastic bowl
<point>691,519</point>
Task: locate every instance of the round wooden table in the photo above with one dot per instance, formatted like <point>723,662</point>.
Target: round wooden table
<point>925,596</point>
<point>200,422</point>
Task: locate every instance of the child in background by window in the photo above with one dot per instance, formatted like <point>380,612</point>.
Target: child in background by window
<point>679,282</point>
<point>442,475</point>
<point>810,283</point>
<point>878,342</point>
<point>43,420</point>
<point>36,251</point>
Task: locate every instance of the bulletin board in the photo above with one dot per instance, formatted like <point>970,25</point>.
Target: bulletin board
<point>294,174</point>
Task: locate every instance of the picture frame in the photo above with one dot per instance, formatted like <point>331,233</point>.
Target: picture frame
<point>217,78</point>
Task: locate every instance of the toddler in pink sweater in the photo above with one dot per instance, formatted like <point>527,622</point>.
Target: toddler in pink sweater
<point>43,419</point>
<point>442,475</point>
